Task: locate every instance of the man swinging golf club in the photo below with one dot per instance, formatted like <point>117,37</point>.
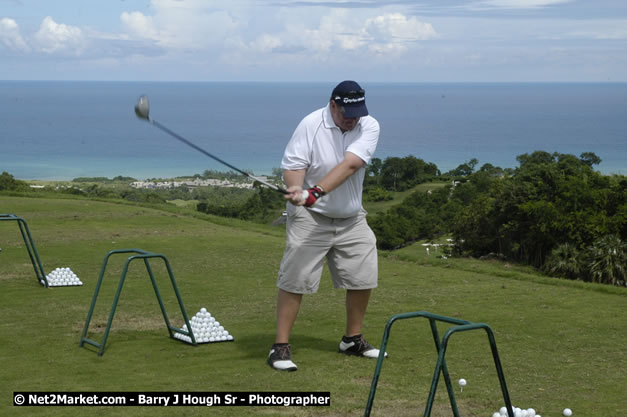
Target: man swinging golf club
<point>324,168</point>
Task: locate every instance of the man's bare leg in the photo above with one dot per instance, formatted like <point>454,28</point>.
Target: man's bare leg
<point>288,306</point>
<point>356,305</point>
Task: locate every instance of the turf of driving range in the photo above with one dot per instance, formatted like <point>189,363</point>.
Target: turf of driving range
<point>562,343</point>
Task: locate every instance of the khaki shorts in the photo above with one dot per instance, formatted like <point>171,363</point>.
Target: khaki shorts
<point>349,246</point>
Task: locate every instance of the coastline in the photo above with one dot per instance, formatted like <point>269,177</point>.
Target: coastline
<point>54,133</point>
<point>182,174</point>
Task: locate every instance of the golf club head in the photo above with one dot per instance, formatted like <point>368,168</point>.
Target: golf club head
<point>142,108</point>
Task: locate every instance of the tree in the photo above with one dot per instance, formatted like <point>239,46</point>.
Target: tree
<point>550,199</point>
<point>9,183</point>
<point>399,174</point>
<point>608,260</point>
<point>492,170</point>
<point>536,158</point>
<point>465,169</point>
<point>589,158</point>
<point>374,167</point>
<point>475,229</point>
<point>391,173</point>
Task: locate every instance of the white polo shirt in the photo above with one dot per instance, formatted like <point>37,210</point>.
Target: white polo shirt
<point>318,146</point>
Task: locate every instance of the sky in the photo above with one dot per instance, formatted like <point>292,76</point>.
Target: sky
<point>315,40</point>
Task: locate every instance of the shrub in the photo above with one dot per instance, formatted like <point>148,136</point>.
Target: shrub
<point>9,183</point>
<point>377,194</point>
<point>607,260</point>
<point>565,261</point>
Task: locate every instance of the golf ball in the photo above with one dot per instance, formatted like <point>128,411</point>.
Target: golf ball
<point>203,310</point>
<point>567,412</point>
<point>462,382</point>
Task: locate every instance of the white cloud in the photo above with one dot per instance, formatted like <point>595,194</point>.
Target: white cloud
<point>396,26</point>
<point>341,30</point>
<point>191,25</point>
<point>53,38</point>
<point>332,31</point>
<point>207,27</point>
<point>316,36</point>
<point>10,35</point>
<point>139,25</point>
<point>266,43</point>
<point>392,32</point>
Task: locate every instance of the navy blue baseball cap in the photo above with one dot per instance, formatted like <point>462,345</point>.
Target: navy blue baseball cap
<point>351,97</point>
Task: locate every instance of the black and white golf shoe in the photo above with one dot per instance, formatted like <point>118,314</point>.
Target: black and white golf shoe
<point>280,358</point>
<point>357,346</point>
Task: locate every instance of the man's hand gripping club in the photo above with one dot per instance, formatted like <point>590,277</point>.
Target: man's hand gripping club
<point>307,198</point>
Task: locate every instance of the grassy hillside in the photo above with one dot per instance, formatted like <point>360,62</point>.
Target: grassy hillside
<point>562,343</point>
<point>398,197</point>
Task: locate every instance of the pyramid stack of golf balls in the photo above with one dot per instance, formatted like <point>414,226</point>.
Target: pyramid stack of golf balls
<point>206,329</point>
<point>62,277</point>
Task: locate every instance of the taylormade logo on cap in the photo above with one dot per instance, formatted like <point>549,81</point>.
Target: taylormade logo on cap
<point>347,100</point>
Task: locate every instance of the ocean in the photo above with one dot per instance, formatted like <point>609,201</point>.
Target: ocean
<point>60,130</point>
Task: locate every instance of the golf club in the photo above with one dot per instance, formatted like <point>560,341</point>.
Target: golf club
<point>142,110</point>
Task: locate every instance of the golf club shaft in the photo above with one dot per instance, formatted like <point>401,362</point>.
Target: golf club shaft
<point>201,150</point>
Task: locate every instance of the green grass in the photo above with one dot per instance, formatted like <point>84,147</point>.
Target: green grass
<point>398,197</point>
<point>562,343</point>
<point>184,203</point>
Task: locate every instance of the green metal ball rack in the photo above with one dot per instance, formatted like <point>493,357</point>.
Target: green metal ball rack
<point>440,367</point>
<point>30,247</point>
<point>145,256</point>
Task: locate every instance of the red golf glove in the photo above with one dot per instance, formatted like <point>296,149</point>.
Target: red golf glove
<point>312,195</point>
